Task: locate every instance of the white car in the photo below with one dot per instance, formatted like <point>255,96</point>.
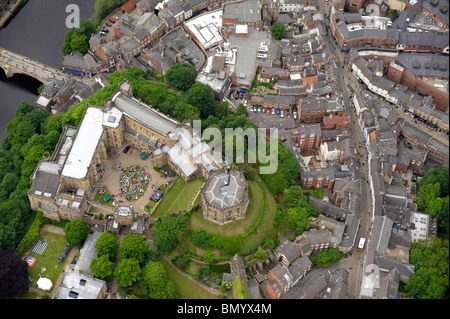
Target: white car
<point>245,102</point>
<point>282,113</point>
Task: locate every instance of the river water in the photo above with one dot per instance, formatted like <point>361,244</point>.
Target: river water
<point>37,31</point>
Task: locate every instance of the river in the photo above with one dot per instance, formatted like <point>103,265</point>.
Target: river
<point>37,31</point>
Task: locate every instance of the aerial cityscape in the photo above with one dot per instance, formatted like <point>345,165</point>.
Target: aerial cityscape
<point>224,149</point>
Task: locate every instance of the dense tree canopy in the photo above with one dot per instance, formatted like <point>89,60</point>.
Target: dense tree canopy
<point>107,244</point>
<point>202,96</point>
<point>13,274</point>
<point>181,76</point>
<point>102,267</point>
<point>132,246</point>
<point>431,277</point>
<point>278,30</point>
<point>169,229</point>
<point>127,272</point>
<point>159,285</point>
<point>76,232</point>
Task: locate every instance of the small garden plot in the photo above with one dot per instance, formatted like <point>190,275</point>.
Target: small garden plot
<point>133,182</point>
<point>45,264</point>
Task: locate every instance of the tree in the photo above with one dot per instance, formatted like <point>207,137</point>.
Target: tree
<point>76,232</point>
<point>241,109</point>
<point>334,255</point>
<point>181,76</point>
<point>202,97</point>
<point>127,272</point>
<point>152,252</point>
<point>13,274</point>
<point>322,259</point>
<point>436,175</point>
<point>260,254</point>
<point>79,43</point>
<point>427,198</point>
<point>201,238</point>
<point>24,108</point>
<point>278,30</point>
<point>208,257</point>
<point>169,229</point>
<point>102,267</point>
<point>8,184</point>
<point>159,286</point>
<point>133,246</point>
<point>107,244</point>
<point>299,217</point>
<point>443,220</point>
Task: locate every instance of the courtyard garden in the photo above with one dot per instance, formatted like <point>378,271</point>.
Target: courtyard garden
<point>133,182</point>
<point>45,264</point>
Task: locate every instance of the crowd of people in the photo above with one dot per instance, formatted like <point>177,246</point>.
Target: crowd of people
<point>133,182</point>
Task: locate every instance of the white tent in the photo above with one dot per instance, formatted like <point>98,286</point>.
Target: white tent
<point>44,284</point>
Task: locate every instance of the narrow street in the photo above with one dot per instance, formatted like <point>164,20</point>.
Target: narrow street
<point>350,84</point>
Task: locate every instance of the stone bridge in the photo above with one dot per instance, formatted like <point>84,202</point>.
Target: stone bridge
<point>13,63</point>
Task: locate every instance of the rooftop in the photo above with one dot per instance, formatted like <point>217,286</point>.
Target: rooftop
<point>225,188</point>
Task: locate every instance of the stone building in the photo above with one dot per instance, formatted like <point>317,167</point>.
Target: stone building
<point>224,196</point>
<point>63,184</point>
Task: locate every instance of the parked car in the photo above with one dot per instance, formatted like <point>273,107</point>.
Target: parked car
<point>282,113</point>
<point>112,20</point>
<point>108,24</point>
<point>245,102</point>
<point>231,95</point>
<point>236,96</point>
<point>263,110</point>
<point>268,111</point>
<point>278,111</point>
<point>126,149</point>
<point>242,96</point>
<point>105,30</point>
<point>295,115</point>
<point>273,111</point>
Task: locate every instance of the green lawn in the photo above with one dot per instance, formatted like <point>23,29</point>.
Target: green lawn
<point>179,197</point>
<point>48,259</point>
<point>257,191</point>
<point>186,288</point>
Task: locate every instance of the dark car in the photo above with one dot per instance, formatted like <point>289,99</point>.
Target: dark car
<point>278,111</point>
<point>105,30</point>
<point>126,149</point>
<point>108,24</point>
<point>242,96</point>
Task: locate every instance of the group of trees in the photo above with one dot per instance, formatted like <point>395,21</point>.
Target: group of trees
<point>139,266</point>
<point>77,39</point>
<point>326,257</point>
<point>30,134</point>
<point>431,277</point>
<point>278,30</point>
<point>201,238</point>
<point>433,197</point>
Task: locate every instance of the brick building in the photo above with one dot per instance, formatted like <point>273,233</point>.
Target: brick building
<point>308,137</point>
